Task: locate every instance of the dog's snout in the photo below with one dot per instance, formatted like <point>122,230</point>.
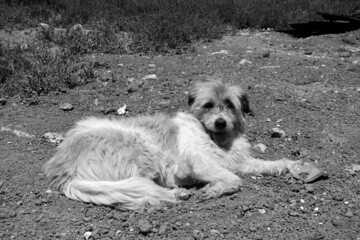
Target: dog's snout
<point>220,123</point>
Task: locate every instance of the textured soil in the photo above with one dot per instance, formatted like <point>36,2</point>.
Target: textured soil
<point>309,87</point>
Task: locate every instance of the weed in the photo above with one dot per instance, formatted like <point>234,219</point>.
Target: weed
<point>38,70</point>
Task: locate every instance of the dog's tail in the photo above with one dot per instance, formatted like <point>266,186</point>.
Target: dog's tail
<point>132,193</point>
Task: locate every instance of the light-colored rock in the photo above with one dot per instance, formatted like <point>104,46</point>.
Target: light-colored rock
<point>277,133</point>
<point>244,61</point>
<point>220,52</point>
<point>198,234</point>
<point>122,110</point>
<point>87,235</point>
<point>56,138</point>
<point>260,147</point>
<point>215,232</point>
<point>130,79</point>
<point>355,167</point>
<point>262,211</point>
<point>184,195</point>
<point>144,226</point>
<point>150,77</point>
<point>66,107</point>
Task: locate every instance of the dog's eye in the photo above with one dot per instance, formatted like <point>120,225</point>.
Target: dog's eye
<point>229,104</point>
<point>209,105</point>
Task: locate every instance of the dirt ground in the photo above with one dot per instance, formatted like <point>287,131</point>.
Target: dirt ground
<point>309,87</point>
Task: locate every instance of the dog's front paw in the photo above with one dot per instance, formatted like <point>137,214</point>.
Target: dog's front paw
<point>182,194</point>
<point>306,171</point>
<point>221,188</point>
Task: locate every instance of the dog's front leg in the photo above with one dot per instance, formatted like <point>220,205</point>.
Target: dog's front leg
<point>306,171</point>
<point>220,180</point>
<point>267,167</point>
<point>229,185</point>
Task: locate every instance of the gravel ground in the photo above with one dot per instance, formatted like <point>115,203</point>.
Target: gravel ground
<point>309,88</point>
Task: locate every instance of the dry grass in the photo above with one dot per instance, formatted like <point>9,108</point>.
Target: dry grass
<point>154,26</point>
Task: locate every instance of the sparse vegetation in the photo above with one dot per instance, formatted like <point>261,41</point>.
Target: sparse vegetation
<point>134,26</point>
<point>39,70</point>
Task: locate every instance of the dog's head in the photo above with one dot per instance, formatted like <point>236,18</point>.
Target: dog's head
<point>221,109</point>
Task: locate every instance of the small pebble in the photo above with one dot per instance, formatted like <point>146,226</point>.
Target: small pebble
<point>244,61</point>
<point>66,107</point>
<point>309,188</point>
<point>266,54</point>
<point>197,234</point>
<point>184,195</point>
<point>89,228</point>
<point>144,226</point>
<point>355,167</point>
<point>349,213</point>
<point>150,77</point>
<point>162,229</point>
<point>294,214</point>
<point>87,219</point>
<point>87,235</point>
<point>131,79</point>
<point>260,147</point>
<point>214,232</point>
<point>277,133</point>
<point>2,101</point>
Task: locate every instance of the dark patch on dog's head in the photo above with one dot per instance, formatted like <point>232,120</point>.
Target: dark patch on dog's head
<point>191,99</point>
<point>245,104</point>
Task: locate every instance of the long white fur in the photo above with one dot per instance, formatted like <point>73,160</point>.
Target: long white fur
<point>144,160</point>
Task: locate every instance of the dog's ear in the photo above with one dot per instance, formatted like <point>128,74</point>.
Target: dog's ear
<point>245,104</point>
<point>191,99</point>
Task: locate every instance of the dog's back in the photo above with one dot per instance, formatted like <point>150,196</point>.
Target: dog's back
<point>112,161</point>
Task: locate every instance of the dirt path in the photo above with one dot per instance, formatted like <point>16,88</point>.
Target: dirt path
<point>310,88</point>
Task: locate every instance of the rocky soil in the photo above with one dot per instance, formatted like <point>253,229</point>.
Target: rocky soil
<point>309,88</point>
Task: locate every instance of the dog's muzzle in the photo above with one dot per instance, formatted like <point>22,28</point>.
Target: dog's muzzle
<point>220,136</point>
<point>220,124</point>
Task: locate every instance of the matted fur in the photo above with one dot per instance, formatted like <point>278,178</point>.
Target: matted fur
<point>145,160</point>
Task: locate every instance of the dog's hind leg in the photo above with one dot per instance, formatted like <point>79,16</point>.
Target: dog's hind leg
<point>104,168</point>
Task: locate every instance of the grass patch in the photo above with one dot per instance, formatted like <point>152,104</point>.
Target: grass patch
<point>131,26</point>
<point>39,70</point>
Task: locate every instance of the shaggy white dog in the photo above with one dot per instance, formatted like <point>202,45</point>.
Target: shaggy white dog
<point>145,160</point>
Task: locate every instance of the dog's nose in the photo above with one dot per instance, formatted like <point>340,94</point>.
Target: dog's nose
<point>220,123</point>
